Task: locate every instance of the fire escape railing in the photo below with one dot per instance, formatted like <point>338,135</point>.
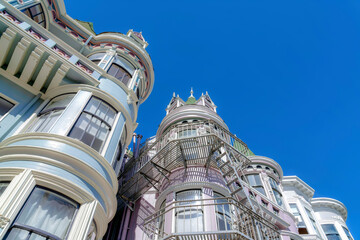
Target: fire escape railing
<point>233,221</point>
<point>182,131</point>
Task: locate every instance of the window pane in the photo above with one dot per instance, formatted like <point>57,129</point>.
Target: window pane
<point>5,106</point>
<point>17,234</point>
<point>119,73</point>
<point>189,218</point>
<point>48,212</point>
<point>94,124</point>
<point>3,186</point>
<point>347,233</point>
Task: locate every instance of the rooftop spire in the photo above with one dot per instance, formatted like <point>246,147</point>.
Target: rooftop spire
<point>191,92</point>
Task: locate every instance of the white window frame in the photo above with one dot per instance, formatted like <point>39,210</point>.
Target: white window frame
<point>11,101</point>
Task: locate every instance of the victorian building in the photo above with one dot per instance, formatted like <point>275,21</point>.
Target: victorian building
<point>196,180</point>
<point>69,101</point>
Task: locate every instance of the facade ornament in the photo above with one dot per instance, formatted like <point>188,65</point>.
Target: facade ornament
<point>3,221</point>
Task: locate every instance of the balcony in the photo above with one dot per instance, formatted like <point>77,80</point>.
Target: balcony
<point>225,218</point>
<point>181,145</point>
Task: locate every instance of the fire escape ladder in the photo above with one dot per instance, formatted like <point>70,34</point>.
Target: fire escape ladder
<point>229,168</point>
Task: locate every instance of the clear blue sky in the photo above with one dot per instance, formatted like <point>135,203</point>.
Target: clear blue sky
<point>285,76</point>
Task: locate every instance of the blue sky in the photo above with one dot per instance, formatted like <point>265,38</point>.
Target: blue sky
<point>285,76</point>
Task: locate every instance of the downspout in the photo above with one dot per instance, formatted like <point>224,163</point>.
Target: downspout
<point>126,225</point>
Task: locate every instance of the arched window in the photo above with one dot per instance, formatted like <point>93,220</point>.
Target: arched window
<point>120,73</point>
<point>36,13</point>
<point>94,123</point>
<point>45,215</point>
<point>50,113</point>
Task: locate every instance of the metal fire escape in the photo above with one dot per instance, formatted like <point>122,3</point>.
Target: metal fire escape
<point>202,144</point>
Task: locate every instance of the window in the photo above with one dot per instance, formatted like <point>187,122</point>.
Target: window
<point>119,150</point>
<point>222,211</point>
<point>187,133</point>
<point>45,215</point>
<point>3,186</point>
<point>36,13</point>
<point>256,183</point>
<point>48,116</point>
<point>189,214</point>
<point>94,124</point>
<point>162,219</point>
<point>5,106</point>
<point>313,222</point>
<point>119,73</point>
<point>301,224</point>
<point>347,233</point>
<point>331,232</point>
<point>92,232</point>
<point>276,190</point>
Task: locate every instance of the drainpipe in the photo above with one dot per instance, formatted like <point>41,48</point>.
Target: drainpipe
<point>126,225</point>
<point>137,151</point>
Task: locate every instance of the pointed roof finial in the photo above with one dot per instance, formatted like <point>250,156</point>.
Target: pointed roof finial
<point>191,92</point>
<point>207,93</point>
<point>174,94</point>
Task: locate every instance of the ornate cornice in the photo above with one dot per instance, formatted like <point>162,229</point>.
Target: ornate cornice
<point>330,203</point>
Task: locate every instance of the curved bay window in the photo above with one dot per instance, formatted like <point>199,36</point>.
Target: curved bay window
<point>331,232</point>
<point>120,73</point>
<point>256,183</point>
<point>222,211</point>
<point>50,113</point>
<point>300,221</point>
<point>189,214</point>
<point>36,13</point>
<point>94,124</point>
<point>276,190</point>
<point>45,215</point>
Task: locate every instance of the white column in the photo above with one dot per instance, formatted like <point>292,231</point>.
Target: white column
<point>13,199</point>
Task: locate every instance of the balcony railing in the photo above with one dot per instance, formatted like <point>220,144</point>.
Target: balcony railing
<point>186,220</point>
<point>186,131</point>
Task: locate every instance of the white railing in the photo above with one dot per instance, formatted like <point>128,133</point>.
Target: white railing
<point>233,220</point>
<point>185,131</point>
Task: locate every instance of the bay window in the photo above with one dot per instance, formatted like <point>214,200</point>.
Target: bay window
<point>331,232</point>
<point>189,214</point>
<point>347,233</point>
<point>301,224</point>
<point>94,124</point>
<point>36,13</point>
<point>222,211</point>
<point>276,190</point>
<point>50,113</point>
<point>45,215</point>
<point>256,183</point>
<point>313,222</point>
